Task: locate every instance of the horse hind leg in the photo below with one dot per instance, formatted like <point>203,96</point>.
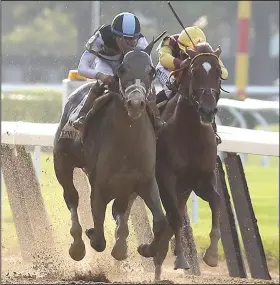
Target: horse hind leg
<point>180,261</point>
<point>121,210</point>
<point>64,172</point>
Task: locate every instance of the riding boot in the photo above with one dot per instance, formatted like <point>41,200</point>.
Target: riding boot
<point>154,114</point>
<point>218,139</point>
<point>95,92</point>
<point>161,96</point>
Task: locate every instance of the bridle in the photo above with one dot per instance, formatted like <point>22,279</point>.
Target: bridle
<point>138,86</point>
<point>191,95</point>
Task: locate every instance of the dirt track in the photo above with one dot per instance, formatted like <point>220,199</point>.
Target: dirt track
<point>100,268</point>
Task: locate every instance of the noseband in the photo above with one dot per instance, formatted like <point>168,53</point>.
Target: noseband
<point>138,86</point>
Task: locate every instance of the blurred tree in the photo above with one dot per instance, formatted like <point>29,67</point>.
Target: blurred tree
<point>46,32</point>
<point>55,27</point>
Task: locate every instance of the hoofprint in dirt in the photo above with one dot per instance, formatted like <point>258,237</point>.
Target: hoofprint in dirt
<point>102,270</point>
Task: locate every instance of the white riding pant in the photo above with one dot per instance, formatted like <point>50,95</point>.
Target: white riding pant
<point>162,76</point>
<point>100,65</point>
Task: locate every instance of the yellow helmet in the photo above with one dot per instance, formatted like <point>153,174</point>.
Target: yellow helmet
<point>195,33</point>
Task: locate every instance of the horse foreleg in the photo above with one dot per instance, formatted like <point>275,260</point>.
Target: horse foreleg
<point>64,173</point>
<point>180,261</point>
<point>150,194</point>
<point>98,210</point>
<point>121,210</point>
<point>166,182</point>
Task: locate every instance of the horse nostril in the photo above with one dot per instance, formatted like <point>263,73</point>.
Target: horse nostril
<point>215,110</point>
<point>201,110</point>
<point>142,104</point>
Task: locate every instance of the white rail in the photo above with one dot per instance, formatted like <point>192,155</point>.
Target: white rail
<point>255,91</point>
<point>231,143</point>
<point>233,139</point>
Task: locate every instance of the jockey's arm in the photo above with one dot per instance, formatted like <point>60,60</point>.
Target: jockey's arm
<point>85,66</point>
<point>166,58</point>
<point>85,69</point>
<point>224,70</point>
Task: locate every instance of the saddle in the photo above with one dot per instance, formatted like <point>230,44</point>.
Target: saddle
<point>97,102</point>
<point>94,101</point>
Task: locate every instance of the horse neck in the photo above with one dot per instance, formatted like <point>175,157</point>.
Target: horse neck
<point>123,125</point>
<point>186,114</point>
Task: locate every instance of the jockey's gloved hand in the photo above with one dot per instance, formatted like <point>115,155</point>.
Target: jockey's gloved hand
<point>107,79</point>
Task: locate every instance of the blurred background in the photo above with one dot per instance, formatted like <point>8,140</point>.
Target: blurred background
<point>43,40</point>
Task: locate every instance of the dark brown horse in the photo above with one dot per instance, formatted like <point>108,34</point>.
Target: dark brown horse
<point>118,154</point>
<point>187,150</point>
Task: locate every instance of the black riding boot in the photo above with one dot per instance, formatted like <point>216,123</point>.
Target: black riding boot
<point>161,96</point>
<point>95,92</point>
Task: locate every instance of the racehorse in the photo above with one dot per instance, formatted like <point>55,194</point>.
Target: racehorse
<point>187,150</point>
<point>118,154</point>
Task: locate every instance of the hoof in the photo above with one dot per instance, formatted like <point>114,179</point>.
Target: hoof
<point>90,233</point>
<point>145,250</point>
<point>181,263</point>
<point>119,251</point>
<point>210,258</point>
<point>98,244</point>
<point>77,250</point>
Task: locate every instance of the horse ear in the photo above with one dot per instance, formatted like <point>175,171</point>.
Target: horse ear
<point>191,52</point>
<point>218,51</point>
<point>149,47</point>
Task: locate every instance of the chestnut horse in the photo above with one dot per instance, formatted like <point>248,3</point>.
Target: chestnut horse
<point>187,149</point>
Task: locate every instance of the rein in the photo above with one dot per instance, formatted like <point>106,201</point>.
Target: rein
<point>188,66</point>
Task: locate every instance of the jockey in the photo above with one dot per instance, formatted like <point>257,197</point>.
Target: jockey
<point>104,53</point>
<point>172,53</point>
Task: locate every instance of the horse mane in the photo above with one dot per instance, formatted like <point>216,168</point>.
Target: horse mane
<point>203,47</point>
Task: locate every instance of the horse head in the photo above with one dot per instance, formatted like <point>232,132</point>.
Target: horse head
<point>201,80</point>
<point>136,74</point>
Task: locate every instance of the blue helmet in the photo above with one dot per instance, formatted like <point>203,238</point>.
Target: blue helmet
<point>126,25</point>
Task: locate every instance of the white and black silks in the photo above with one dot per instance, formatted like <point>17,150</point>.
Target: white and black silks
<point>102,53</point>
<point>103,44</point>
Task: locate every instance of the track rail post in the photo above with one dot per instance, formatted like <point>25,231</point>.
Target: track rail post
<point>17,201</point>
<point>246,217</point>
<point>229,235</point>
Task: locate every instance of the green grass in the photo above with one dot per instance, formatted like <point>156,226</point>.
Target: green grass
<point>262,183</point>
